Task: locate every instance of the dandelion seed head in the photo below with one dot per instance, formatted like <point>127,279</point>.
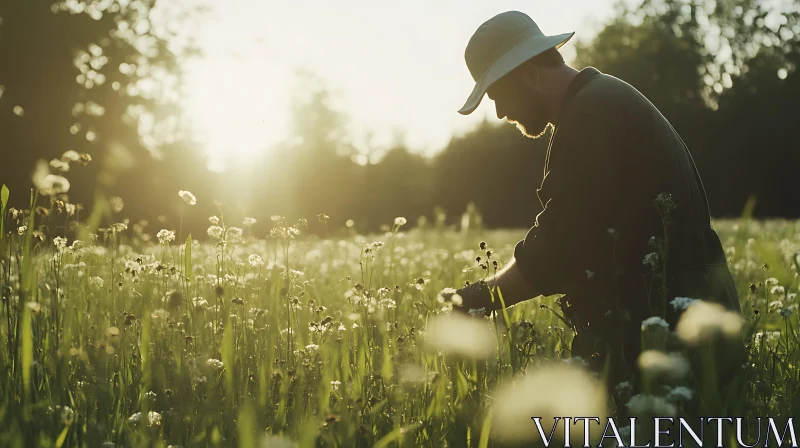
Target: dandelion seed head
<point>550,391</point>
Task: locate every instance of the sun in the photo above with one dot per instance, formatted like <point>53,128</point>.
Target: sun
<point>237,107</point>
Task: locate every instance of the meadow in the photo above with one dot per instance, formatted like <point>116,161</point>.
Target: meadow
<point>261,334</point>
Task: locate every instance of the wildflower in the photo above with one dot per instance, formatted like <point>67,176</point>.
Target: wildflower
<point>681,303</point>
<point>215,232</point>
<point>461,335</point>
<point>255,261</point>
<point>312,348</point>
<point>59,165</point>
<point>199,302</point>
<point>656,364</point>
<point>70,156</point>
<point>771,336</point>
<point>791,296</point>
<point>49,184</point>
<point>187,197</point>
<point>655,333</point>
<point>112,332</point>
<point>96,281</point>
<point>151,395</point>
<point>786,312</point>
<point>703,320</point>
<point>60,242</point>
<point>34,306</point>
<point>388,303</point>
<point>547,392</point>
<point>400,221</point>
<point>651,259</point>
<point>214,363</point>
<point>247,222</point>
<point>777,290</point>
<point>119,227</point>
<point>234,232</point>
<point>21,230</point>
<point>214,220</point>
<point>772,281</point>
<point>651,405</point>
<point>67,415</point>
<point>680,393</point>
<point>165,236</point>
<point>335,385</point>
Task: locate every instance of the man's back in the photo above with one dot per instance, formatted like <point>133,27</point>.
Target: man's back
<point>641,158</point>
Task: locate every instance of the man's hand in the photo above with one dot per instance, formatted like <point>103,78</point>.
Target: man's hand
<point>509,282</point>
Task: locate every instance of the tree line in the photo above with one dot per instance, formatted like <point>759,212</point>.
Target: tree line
<point>101,78</point>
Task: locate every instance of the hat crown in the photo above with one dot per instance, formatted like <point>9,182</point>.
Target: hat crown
<point>495,37</point>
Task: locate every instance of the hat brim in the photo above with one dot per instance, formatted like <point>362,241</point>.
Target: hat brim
<point>513,58</point>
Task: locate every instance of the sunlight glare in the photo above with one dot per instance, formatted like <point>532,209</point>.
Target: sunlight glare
<point>237,108</point>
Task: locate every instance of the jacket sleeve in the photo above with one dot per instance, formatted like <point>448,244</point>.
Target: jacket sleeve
<point>571,244</point>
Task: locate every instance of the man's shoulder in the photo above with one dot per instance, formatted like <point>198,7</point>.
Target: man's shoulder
<point>607,96</point>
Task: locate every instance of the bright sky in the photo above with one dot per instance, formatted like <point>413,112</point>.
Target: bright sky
<point>392,65</point>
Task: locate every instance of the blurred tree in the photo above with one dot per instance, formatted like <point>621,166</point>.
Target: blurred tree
<point>93,76</point>
<point>692,59</point>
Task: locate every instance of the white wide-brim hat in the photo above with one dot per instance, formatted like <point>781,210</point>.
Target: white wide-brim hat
<point>500,45</point>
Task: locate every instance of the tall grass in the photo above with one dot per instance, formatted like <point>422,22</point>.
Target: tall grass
<point>113,339</point>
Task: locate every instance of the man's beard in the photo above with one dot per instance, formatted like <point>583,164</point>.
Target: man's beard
<point>533,123</point>
<point>524,128</point>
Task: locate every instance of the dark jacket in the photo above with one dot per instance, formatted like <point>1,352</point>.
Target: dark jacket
<point>611,155</point>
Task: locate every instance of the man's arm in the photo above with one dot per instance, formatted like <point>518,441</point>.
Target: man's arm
<point>570,241</point>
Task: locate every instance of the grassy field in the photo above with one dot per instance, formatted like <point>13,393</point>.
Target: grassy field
<point>280,339</point>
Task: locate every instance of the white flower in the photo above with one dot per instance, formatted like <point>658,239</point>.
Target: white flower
<point>651,259</point>
<point>651,405</point>
<point>655,364</point>
<point>335,385</point>
<point>96,281</point>
<point>187,197</point>
<point>461,335</point>
<point>214,363</point>
<point>60,242</point>
<point>153,419</point>
<point>164,236</point>
<point>777,290</point>
<point>214,220</point>
<point>215,232</point>
<point>772,281</point>
<point>400,221</point>
<point>21,230</point>
<point>71,156</point>
<point>234,232</point>
<point>67,415</point>
<point>49,184</point>
<point>703,320</point>
<point>553,390</point>
<point>681,303</point>
<point>680,393</point>
<point>255,261</point>
<point>135,418</point>
<point>247,222</point>
<point>59,165</point>
<point>34,306</point>
<point>655,333</point>
<point>312,348</point>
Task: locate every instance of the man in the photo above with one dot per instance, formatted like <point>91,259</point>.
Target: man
<point>616,175</point>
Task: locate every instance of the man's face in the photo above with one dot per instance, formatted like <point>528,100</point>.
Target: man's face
<point>519,103</point>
